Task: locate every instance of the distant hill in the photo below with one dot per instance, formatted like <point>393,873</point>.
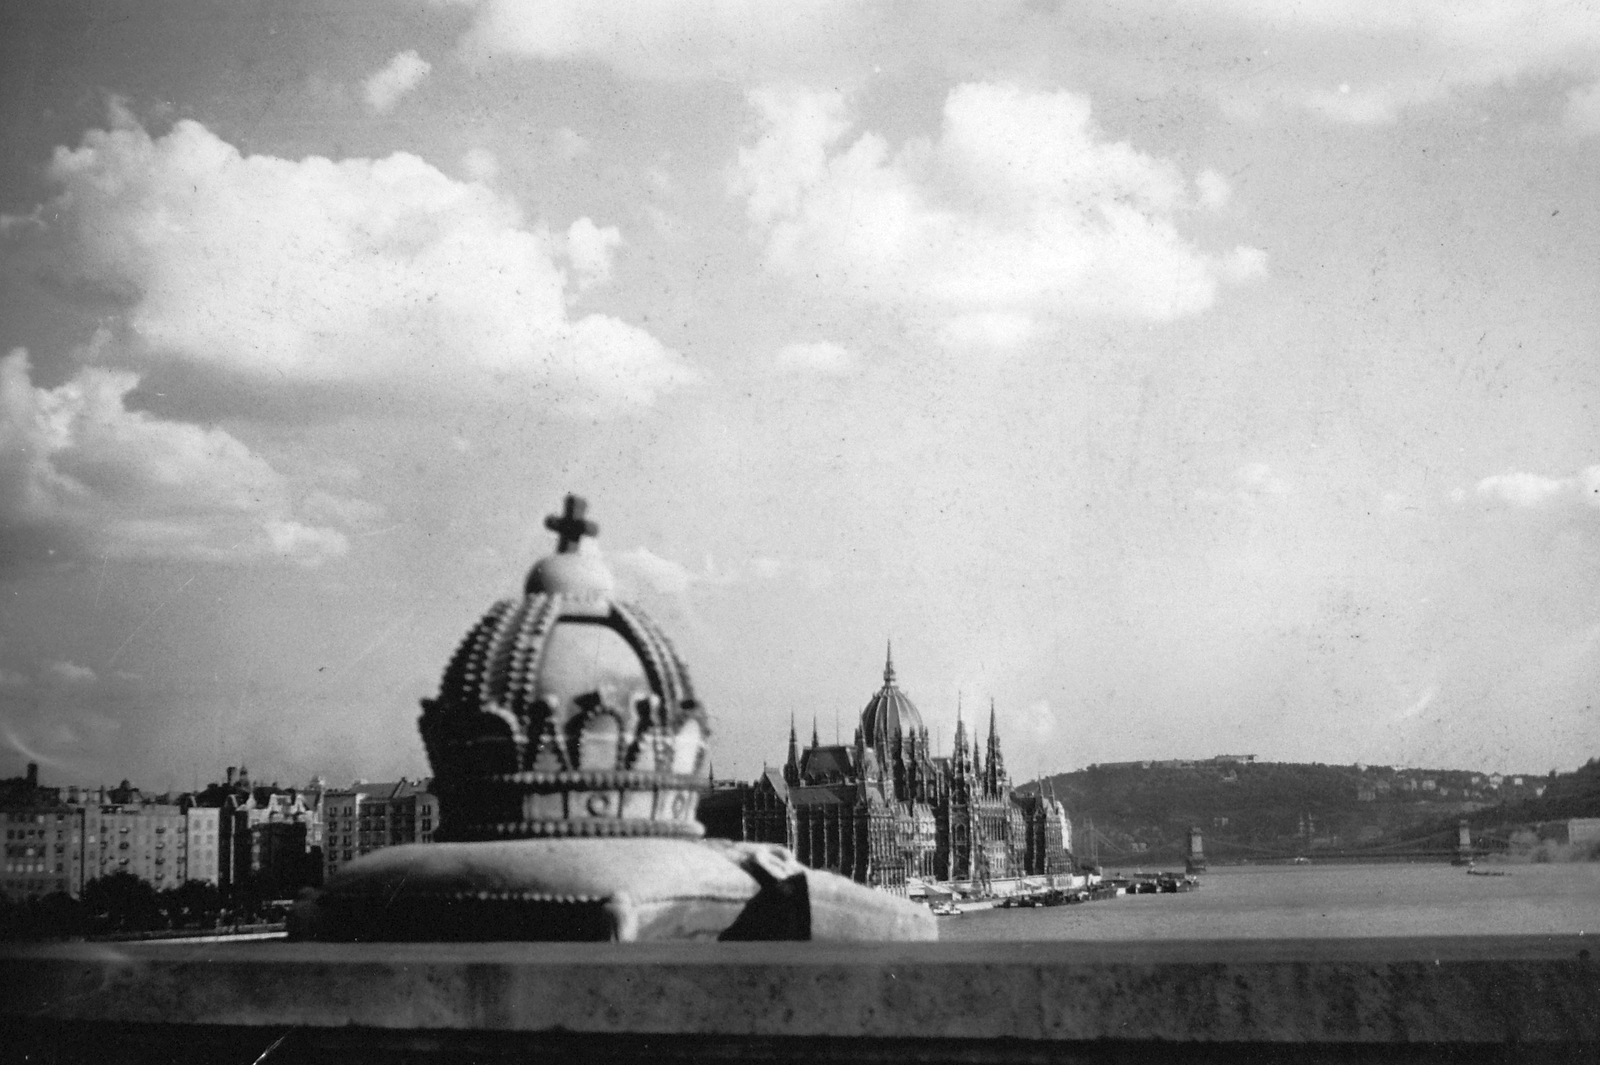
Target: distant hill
<point>1142,811</point>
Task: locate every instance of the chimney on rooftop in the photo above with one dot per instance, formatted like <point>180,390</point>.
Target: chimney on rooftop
<point>33,774</point>
<point>230,776</point>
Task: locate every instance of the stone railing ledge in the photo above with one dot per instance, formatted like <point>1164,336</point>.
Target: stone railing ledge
<point>1491,991</point>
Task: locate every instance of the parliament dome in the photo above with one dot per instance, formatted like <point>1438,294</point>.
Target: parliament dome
<point>890,712</point>
<point>566,712</point>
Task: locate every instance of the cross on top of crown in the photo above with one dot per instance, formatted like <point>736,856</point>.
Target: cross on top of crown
<point>570,525</point>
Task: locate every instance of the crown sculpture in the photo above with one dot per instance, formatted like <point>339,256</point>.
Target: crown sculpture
<point>566,713</point>
<point>568,750</point>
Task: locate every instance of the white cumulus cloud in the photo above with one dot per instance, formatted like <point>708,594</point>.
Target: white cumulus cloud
<point>642,568</point>
<point>1019,212</point>
<point>1582,115</point>
<point>663,575</point>
<point>81,474</point>
<point>1366,61</point>
<point>1259,479</point>
<point>1255,485</point>
<point>589,249</point>
<point>1356,61</point>
<point>480,164</point>
<point>1521,489</point>
<point>820,357</point>
<point>1213,189</point>
<point>674,39</point>
<point>568,144</point>
<point>399,76</point>
<point>70,673</point>
<point>383,272</point>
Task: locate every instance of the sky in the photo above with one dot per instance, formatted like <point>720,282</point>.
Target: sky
<point>1183,378</point>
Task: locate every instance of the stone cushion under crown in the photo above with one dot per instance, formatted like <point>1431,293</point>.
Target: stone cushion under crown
<point>599,889</point>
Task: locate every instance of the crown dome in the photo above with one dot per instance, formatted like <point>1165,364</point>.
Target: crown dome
<point>890,712</point>
<point>571,574</point>
<point>566,712</point>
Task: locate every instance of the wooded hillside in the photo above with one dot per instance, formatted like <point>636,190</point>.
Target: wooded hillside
<point>1263,810</point>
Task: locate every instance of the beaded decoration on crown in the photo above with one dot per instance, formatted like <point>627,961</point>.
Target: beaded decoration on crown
<point>566,713</point>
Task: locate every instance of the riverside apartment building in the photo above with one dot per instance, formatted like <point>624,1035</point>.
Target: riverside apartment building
<point>366,817</point>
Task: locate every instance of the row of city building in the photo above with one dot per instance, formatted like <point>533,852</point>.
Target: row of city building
<point>883,810</point>
<point>276,839</point>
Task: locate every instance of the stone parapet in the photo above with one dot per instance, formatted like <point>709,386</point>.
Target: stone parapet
<point>1482,996</point>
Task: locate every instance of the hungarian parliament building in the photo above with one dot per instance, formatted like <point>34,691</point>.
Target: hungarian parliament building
<point>884,808</point>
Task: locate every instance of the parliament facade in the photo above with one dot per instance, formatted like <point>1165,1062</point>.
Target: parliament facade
<point>885,808</point>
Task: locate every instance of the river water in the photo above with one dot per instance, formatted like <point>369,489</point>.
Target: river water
<point>1315,901</point>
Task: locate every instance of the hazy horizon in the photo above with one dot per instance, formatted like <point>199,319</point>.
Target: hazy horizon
<point>1186,379</point>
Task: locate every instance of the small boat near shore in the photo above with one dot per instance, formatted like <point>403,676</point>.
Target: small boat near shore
<point>1109,888</point>
<point>1047,897</point>
<point>953,899</point>
<point>949,904</point>
<point>1142,883</point>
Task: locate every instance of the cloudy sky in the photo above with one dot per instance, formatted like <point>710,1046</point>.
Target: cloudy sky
<point>1186,378</point>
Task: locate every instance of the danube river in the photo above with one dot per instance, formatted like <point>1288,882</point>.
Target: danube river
<point>1302,901</point>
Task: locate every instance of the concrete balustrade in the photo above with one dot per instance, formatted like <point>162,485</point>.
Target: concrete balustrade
<point>1469,998</point>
